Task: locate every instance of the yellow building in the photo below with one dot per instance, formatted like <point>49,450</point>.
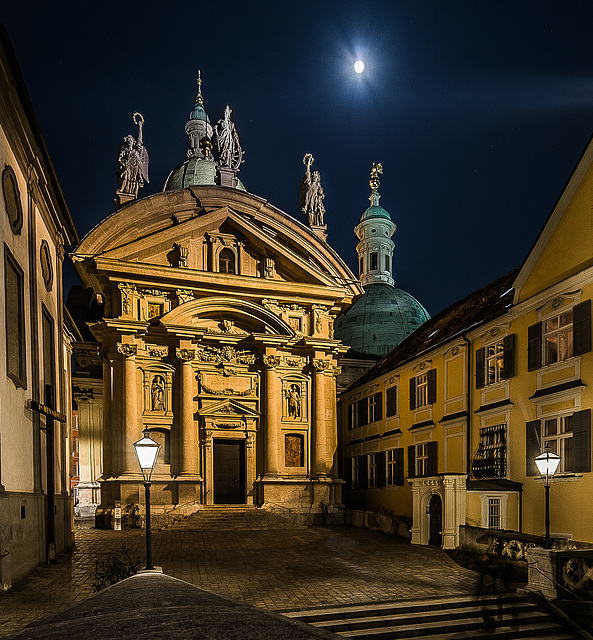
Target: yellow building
<point>443,432</point>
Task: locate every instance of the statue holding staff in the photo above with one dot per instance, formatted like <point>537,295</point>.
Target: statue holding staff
<point>133,162</point>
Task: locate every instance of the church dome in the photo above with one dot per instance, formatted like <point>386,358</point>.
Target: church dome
<point>194,172</point>
<point>375,211</point>
<point>379,320</point>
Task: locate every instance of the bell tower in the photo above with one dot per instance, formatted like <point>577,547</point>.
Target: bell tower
<point>375,249</point>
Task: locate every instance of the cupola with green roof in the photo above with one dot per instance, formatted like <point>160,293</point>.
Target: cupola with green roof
<point>201,168</point>
<point>384,315</point>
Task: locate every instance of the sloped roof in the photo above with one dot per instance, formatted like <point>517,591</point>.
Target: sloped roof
<point>476,309</point>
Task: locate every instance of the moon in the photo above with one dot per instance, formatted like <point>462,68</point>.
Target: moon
<point>359,66</point>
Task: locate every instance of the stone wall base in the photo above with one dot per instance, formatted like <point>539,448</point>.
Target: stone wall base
<point>387,523</point>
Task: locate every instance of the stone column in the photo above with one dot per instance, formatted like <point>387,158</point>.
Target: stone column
<point>321,464</point>
<point>131,431</point>
<point>108,444</point>
<point>273,414</point>
<point>189,446</point>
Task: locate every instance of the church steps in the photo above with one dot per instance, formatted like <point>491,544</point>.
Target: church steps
<point>436,618</point>
<point>230,517</point>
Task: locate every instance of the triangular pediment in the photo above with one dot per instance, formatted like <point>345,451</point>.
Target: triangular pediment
<point>565,244</point>
<point>266,243</point>
<point>228,408</point>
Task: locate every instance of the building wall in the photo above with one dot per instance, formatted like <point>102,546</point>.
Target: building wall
<point>34,226</point>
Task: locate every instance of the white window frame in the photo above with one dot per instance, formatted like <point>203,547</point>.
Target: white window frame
<point>422,390</point>
<point>560,440</point>
<point>373,466</point>
<point>354,414</point>
<point>372,408</point>
<point>502,499</point>
<point>421,459</point>
<point>390,468</point>
<point>355,472</point>
<point>564,335</point>
<point>494,363</point>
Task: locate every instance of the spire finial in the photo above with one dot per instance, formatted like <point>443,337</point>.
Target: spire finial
<point>374,183</point>
<point>199,98</point>
<point>375,171</point>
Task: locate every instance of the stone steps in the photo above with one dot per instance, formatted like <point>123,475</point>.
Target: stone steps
<point>234,518</point>
<point>459,617</point>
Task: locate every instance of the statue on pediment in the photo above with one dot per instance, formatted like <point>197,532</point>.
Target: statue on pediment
<point>133,162</point>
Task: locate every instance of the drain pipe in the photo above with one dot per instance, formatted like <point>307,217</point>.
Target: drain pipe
<point>469,402</point>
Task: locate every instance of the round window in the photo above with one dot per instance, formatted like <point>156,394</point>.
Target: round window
<point>12,199</point>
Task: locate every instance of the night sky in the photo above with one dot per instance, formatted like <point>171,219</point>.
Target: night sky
<point>477,110</point>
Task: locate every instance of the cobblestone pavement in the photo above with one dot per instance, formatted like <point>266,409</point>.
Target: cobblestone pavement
<point>274,569</point>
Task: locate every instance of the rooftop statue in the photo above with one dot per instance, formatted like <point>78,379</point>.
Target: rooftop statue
<point>133,163</point>
<point>230,153</point>
<point>312,194</point>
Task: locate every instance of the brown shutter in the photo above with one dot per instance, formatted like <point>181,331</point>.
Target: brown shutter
<point>363,412</point>
<point>399,466</point>
<point>534,347</point>
<point>532,446</point>
<point>432,466</point>
<point>412,393</point>
<point>432,386</point>
<point>480,371</point>
<point>581,441</point>
<point>379,406</point>
<point>391,401</point>
<point>582,327</point>
<point>350,416</point>
<point>381,469</point>
<point>508,357</point>
<point>412,461</point>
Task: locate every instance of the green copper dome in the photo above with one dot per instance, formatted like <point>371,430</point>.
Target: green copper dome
<point>379,320</point>
<point>194,172</point>
<point>375,211</point>
<point>199,113</point>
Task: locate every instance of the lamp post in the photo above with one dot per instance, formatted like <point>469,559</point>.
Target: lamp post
<point>147,450</point>
<point>547,463</point>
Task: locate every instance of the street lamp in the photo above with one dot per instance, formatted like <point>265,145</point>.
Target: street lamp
<point>547,463</point>
<point>146,451</point>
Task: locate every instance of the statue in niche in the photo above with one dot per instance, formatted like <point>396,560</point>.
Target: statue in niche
<point>312,194</point>
<point>157,393</point>
<point>293,395</point>
<point>230,153</point>
<point>133,162</point>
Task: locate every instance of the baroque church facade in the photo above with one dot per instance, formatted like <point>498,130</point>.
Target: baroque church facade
<point>215,333</point>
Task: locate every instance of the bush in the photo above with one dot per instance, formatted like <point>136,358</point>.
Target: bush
<point>116,566</point>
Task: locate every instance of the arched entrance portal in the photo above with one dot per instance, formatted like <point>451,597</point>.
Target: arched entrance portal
<point>435,514</point>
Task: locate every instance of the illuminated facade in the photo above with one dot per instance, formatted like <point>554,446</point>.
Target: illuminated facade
<point>444,431</point>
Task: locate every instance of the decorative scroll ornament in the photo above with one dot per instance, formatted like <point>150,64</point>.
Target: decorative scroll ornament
<point>228,391</point>
<point>133,162</point>
<point>184,295</point>
<point>127,290</point>
<point>250,440</point>
<point>186,355</point>
<point>271,361</point>
<point>126,349</point>
<point>312,194</point>
<point>157,352</point>
<point>226,355</point>
<point>320,365</point>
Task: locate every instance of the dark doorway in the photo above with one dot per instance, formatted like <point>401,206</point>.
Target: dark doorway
<point>435,511</point>
<point>229,471</point>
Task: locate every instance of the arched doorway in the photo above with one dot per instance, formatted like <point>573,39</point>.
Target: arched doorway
<point>435,515</point>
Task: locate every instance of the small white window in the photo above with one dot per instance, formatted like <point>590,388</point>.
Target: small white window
<point>494,513</point>
<point>372,462</point>
<point>391,468</point>
<point>422,390</point>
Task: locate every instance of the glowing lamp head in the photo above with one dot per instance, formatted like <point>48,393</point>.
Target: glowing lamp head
<point>147,451</point>
<point>547,462</point>
<point>359,66</point>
